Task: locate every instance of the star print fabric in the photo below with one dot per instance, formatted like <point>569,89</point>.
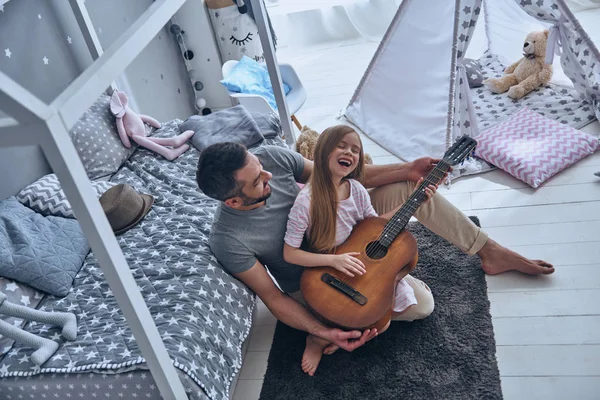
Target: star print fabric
<point>580,59</point>
<point>552,101</point>
<point>34,51</point>
<point>21,294</point>
<point>203,314</point>
<point>97,140</point>
<point>127,385</point>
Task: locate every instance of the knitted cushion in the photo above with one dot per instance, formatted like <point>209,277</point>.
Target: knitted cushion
<point>46,196</point>
<point>43,252</point>
<point>533,148</point>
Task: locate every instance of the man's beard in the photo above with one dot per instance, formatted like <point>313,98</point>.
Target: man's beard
<point>247,201</point>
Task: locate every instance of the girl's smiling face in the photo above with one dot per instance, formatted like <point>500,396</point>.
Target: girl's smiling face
<point>345,156</point>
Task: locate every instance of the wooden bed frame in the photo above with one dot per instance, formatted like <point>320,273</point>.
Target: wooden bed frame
<point>33,122</point>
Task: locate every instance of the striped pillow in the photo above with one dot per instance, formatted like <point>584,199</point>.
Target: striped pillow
<point>45,196</point>
<point>533,148</point>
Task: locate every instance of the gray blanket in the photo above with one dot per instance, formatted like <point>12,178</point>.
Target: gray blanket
<point>202,313</point>
<point>235,124</point>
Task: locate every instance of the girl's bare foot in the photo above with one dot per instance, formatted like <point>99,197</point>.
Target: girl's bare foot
<point>312,354</point>
<point>496,259</point>
<point>329,350</point>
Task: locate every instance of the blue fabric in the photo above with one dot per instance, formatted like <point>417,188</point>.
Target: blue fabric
<point>43,252</point>
<point>250,77</point>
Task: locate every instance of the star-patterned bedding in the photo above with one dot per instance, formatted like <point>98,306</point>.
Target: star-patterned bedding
<point>203,313</point>
<point>20,294</point>
<point>552,101</point>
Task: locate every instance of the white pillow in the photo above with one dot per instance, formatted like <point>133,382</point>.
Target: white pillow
<point>533,148</point>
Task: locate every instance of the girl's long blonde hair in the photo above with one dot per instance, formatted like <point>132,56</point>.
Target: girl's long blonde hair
<point>324,201</point>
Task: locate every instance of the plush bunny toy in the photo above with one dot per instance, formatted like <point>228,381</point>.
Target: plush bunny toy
<point>45,348</point>
<point>131,125</point>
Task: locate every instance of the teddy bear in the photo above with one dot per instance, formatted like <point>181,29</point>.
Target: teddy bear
<point>527,74</point>
<point>131,125</point>
<point>307,140</point>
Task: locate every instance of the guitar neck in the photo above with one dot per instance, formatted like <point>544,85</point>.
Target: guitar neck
<point>400,219</point>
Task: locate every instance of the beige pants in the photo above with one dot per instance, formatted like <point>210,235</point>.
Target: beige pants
<point>438,215</point>
<point>425,303</point>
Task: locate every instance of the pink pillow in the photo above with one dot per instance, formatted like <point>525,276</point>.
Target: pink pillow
<point>533,148</point>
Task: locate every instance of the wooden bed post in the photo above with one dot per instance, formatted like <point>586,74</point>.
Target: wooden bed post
<point>260,16</point>
<point>32,121</point>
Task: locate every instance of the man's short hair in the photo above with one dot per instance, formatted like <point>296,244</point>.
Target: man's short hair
<point>216,169</point>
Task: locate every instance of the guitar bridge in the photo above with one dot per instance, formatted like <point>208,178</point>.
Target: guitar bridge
<point>346,289</point>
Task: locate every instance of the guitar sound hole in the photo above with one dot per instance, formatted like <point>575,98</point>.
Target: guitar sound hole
<point>375,250</point>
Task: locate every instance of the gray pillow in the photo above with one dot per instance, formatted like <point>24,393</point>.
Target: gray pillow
<point>234,124</point>
<point>43,252</point>
<point>474,75</point>
<point>268,124</point>
<point>46,196</point>
<point>97,140</point>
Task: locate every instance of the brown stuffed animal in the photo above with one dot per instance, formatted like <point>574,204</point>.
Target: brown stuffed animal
<point>307,140</point>
<point>527,74</point>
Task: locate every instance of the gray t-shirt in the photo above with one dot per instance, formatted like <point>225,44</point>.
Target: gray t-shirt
<point>240,238</point>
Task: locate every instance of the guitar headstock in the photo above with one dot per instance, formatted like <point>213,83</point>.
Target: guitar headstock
<point>459,150</point>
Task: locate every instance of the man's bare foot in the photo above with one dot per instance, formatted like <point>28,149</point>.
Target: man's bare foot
<point>312,354</point>
<point>496,259</point>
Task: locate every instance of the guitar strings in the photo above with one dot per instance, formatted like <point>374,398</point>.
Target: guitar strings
<point>459,151</point>
<point>409,204</point>
<point>407,210</point>
<point>415,199</point>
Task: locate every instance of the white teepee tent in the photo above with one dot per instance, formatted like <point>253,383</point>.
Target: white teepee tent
<point>414,98</point>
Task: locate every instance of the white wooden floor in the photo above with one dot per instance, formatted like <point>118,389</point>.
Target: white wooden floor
<point>547,329</point>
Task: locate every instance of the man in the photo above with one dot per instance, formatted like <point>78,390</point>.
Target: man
<point>257,189</point>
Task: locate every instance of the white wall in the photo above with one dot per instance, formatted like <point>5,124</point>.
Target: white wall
<point>193,19</point>
<point>157,78</point>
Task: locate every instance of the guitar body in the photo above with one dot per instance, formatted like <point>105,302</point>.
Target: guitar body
<point>387,250</point>
<point>377,285</point>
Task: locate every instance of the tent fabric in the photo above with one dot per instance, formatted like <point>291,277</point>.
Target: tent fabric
<point>403,100</point>
<point>416,72</point>
<point>465,120</point>
<point>580,59</point>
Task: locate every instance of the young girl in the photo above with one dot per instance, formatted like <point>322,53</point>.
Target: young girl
<point>325,211</point>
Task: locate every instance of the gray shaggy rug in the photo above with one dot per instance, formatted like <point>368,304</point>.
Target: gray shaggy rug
<point>449,355</point>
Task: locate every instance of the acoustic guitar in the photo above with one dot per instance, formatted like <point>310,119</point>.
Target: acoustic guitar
<point>387,250</point>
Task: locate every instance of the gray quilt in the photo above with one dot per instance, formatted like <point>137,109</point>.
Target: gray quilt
<point>203,313</point>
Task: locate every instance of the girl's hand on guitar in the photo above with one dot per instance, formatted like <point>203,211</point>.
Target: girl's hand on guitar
<point>429,190</point>
<point>348,264</point>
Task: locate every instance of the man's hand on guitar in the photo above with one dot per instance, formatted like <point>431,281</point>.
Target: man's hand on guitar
<point>348,340</point>
<point>348,264</point>
<point>421,167</point>
<point>429,190</point>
